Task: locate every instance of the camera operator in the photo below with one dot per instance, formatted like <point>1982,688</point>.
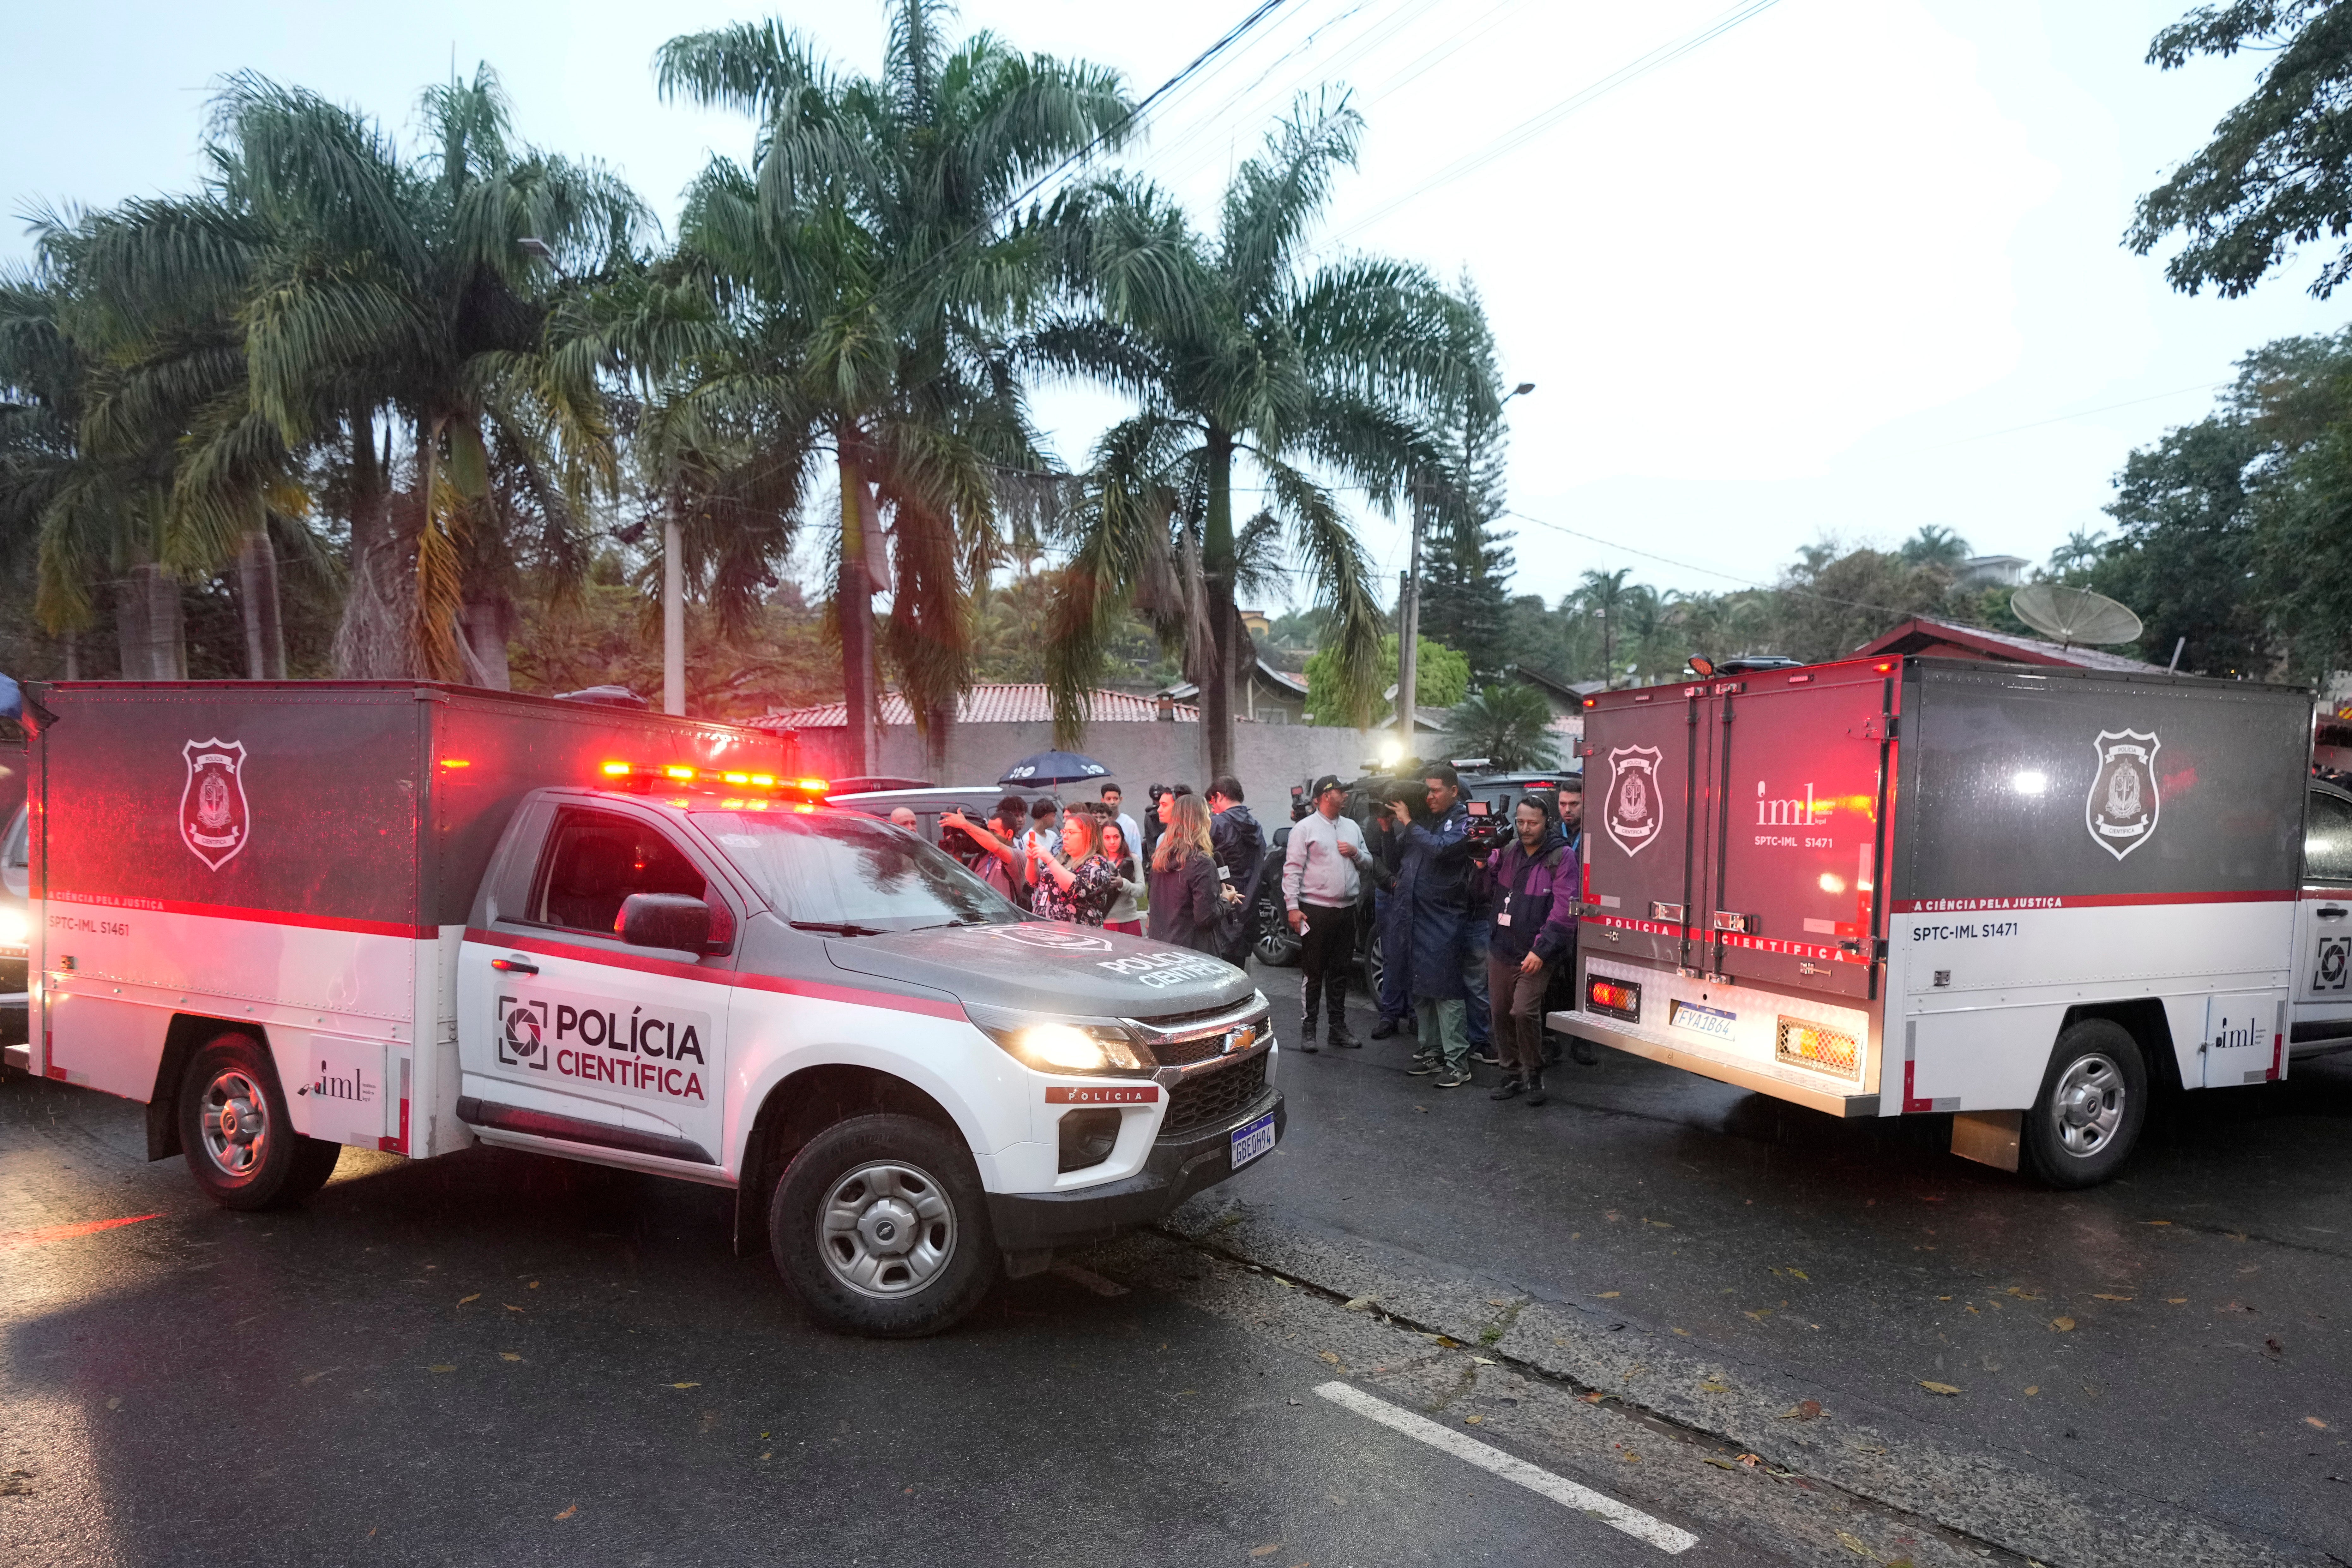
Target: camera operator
<point>990,852</point>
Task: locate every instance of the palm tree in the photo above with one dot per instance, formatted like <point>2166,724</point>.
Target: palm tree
<point>370,290</point>
<point>1236,353</point>
<point>874,249</point>
<point>1935,545</point>
<point>1604,596</point>
<point>1509,725</point>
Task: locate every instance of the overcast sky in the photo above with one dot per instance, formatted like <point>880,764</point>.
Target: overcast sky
<point>1850,268</point>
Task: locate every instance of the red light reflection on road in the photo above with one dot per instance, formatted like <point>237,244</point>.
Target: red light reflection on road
<point>12,1239</point>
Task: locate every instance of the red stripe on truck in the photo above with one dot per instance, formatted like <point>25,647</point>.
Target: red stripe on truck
<point>264,917</point>
<point>813,989</point>
<point>2085,901</point>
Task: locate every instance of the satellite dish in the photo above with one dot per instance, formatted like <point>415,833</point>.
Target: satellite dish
<point>2074,615</point>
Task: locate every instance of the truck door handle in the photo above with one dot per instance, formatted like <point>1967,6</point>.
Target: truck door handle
<point>514,966</point>
<point>2331,911</point>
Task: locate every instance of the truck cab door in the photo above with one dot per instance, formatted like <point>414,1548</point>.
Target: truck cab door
<point>2321,1016</point>
<point>568,1032</point>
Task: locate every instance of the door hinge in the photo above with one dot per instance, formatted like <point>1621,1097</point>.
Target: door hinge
<point>1881,727</point>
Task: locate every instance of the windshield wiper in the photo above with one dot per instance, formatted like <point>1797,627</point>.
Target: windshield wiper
<point>837,928</point>
<point>959,920</point>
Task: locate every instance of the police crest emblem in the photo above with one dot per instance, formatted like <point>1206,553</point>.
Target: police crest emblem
<point>2123,800</point>
<point>1634,809</point>
<point>213,820</point>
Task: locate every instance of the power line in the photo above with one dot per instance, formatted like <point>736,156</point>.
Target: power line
<point>1536,125</point>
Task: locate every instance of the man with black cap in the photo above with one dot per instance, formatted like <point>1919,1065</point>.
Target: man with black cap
<point>1320,886</point>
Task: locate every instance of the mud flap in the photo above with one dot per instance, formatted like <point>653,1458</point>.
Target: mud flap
<point>1988,1137</point>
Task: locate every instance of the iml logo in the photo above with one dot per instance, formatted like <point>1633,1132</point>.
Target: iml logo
<point>353,1088</point>
<point>1787,813</point>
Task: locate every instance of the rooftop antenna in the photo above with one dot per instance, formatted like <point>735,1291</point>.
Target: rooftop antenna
<point>2074,615</point>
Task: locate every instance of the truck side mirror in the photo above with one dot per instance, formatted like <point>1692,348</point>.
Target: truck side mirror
<point>672,920</point>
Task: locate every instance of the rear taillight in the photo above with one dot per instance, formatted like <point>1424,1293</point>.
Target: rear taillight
<point>1803,1043</point>
<point>1617,998</point>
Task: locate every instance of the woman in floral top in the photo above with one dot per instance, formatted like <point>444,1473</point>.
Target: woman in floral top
<point>1080,886</point>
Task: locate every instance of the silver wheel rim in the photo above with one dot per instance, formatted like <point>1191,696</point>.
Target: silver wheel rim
<point>236,1123</point>
<point>2087,1105</point>
<point>887,1229</point>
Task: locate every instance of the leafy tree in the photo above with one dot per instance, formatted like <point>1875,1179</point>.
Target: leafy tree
<point>1236,353</point>
<point>874,246</point>
<point>1935,545</point>
<point>2188,549</point>
<point>1604,595</point>
<point>1509,725</point>
<point>2278,173</point>
<point>1443,673</point>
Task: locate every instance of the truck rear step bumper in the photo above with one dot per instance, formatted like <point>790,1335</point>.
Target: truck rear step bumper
<point>1779,1085</point>
<point>1176,1168</point>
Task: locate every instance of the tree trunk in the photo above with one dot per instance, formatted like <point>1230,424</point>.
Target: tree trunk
<point>264,632</point>
<point>673,615</point>
<point>371,635</point>
<point>1217,589</point>
<point>130,628</point>
<point>147,617</point>
<point>1408,697</point>
<point>73,656</point>
<point>853,608</point>
<point>485,623</point>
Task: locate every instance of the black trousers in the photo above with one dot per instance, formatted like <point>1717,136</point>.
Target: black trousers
<point>1327,951</point>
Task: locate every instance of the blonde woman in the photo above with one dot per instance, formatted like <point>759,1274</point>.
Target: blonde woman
<point>1125,911</point>
<point>1078,887</point>
<point>1186,906</point>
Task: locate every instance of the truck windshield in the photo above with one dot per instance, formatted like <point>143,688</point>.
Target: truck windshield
<point>834,869</point>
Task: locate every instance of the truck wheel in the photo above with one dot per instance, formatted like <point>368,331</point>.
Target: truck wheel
<point>2094,1101</point>
<point>881,1225</point>
<point>1373,965</point>
<point>241,1145</point>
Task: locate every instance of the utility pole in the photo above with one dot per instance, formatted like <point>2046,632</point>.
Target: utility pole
<point>1409,599</point>
<point>673,619</point>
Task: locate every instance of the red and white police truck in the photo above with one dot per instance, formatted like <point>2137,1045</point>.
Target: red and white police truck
<point>415,918</point>
<point>2028,896</point>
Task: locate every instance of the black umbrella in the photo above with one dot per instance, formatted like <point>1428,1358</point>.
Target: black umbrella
<point>1054,768</point>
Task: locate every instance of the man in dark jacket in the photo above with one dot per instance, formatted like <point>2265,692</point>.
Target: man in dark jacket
<point>1387,859</point>
<point>1533,927</point>
<point>1240,849</point>
<point>1435,886</point>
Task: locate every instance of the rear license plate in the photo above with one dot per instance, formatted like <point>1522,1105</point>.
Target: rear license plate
<point>1713,1022</point>
<point>1253,1140</point>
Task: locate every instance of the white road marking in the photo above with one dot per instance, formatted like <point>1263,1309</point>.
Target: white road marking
<point>1566,1493</point>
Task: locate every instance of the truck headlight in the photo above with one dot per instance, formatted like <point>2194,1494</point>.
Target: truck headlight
<point>1061,1045</point>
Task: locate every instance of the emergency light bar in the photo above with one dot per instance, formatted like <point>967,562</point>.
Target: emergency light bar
<point>640,778</point>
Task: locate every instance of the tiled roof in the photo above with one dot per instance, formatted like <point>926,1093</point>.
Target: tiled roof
<point>1025,704</point>
<point>1915,635</point>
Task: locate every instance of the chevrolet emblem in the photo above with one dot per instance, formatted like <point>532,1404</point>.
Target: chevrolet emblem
<point>1240,1040</point>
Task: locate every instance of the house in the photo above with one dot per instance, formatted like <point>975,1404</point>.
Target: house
<point>1991,571</point>
<point>1269,695</point>
<point>1944,640</point>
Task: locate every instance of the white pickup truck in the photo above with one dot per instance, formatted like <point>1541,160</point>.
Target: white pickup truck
<point>2029,897</point>
<point>413,918</point>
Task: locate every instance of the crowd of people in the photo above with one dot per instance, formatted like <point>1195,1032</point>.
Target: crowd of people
<point>1189,880</point>
<point>1476,919</point>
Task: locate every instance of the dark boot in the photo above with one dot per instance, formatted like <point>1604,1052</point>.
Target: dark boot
<point>1310,1000</point>
<point>1535,1095</point>
<point>1384,1028</point>
<point>1509,1088</point>
<point>1583,1050</point>
<point>1340,1036</point>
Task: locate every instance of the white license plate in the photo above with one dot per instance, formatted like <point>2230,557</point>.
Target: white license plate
<point>1711,1021</point>
<point>1253,1140</point>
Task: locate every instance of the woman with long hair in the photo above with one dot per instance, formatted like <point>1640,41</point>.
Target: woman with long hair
<point>1185,905</point>
<point>1080,886</point>
<point>1125,911</point>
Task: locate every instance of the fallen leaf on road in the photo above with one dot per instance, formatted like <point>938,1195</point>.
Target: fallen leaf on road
<point>1609,1295</point>
<point>1804,1410</point>
<point>1631,1457</point>
<point>1358,1303</point>
<point>2031,1389</point>
<point>2063,1325</point>
<point>2101,1298</point>
<point>1852,1543</point>
<point>685,1385</point>
<point>2020,1293</point>
<point>2155,1222</point>
<point>532,1286</point>
<point>440,1369</point>
<point>568,1512</point>
<point>2314,1421</point>
<point>1760,1314</point>
<point>1685,1332</point>
<point>1482,1360</point>
<point>1944,1388</point>
<point>1499,1300</point>
<point>1595,1397</point>
<point>1722,1464</point>
<point>1471,1420</point>
<point>1751,1460</point>
<point>511,1307</point>
<point>2175,1301</point>
<point>475,1297</point>
<point>509,1355</point>
<point>1802,1275</point>
<point>1268,1550</point>
<point>1327,1355</point>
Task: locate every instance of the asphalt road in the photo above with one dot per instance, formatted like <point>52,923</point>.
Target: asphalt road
<point>1635,1291</point>
<point>497,1358</point>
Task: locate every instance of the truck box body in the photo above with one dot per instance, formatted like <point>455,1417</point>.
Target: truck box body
<point>1881,886</point>
<point>305,854</point>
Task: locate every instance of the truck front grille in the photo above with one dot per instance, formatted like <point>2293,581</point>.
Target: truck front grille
<point>1212,1096</point>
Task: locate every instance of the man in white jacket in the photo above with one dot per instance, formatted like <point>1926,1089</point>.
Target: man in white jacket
<point>1320,886</point>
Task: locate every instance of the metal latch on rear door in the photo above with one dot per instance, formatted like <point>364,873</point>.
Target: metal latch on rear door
<point>1881,727</point>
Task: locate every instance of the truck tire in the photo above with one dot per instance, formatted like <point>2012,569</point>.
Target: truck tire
<point>241,1145</point>
<point>881,1226</point>
<point>2093,1103</point>
<point>1375,963</point>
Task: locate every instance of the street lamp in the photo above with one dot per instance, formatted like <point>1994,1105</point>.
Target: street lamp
<point>1409,608</point>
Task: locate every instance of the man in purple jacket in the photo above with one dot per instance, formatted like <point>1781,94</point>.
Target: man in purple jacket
<point>1534,878</point>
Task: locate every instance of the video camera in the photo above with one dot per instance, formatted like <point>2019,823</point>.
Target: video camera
<point>1483,828</point>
